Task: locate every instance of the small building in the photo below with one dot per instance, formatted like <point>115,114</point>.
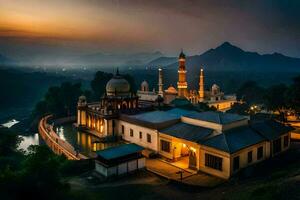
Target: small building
<point>119,160</point>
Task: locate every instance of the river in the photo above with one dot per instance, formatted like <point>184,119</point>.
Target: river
<point>85,143</point>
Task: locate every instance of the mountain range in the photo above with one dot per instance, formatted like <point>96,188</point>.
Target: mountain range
<point>225,57</point>
<point>228,57</point>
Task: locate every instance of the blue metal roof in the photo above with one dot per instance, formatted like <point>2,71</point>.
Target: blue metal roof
<point>155,116</point>
<point>119,151</point>
<point>271,129</point>
<point>235,139</point>
<point>187,131</point>
<point>216,117</point>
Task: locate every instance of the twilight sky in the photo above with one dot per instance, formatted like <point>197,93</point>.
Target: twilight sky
<point>74,26</point>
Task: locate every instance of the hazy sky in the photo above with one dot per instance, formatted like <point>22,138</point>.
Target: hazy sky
<point>37,26</point>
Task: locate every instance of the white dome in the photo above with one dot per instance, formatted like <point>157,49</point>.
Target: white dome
<point>117,86</point>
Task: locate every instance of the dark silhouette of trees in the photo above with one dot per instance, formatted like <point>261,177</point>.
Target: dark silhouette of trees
<point>251,93</point>
<point>98,84</point>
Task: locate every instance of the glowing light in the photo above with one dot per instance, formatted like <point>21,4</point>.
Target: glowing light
<point>193,149</point>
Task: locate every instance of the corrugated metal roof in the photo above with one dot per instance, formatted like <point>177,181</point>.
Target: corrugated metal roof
<point>119,151</point>
<point>155,116</point>
<point>216,117</point>
<point>271,129</point>
<point>187,131</point>
<point>235,139</point>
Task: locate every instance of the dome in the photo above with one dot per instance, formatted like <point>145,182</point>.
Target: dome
<point>215,87</point>
<point>117,86</point>
<point>144,86</point>
<point>82,98</point>
<point>171,90</point>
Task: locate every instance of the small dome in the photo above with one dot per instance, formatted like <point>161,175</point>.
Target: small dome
<point>117,86</point>
<point>144,86</point>
<point>215,86</point>
<point>82,98</point>
<point>171,90</point>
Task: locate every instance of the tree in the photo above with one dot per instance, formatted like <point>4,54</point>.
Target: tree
<point>293,94</point>
<point>60,100</point>
<point>250,93</point>
<point>98,84</point>
<point>275,97</point>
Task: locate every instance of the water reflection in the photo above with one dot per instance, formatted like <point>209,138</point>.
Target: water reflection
<point>85,143</point>
<point>29,140</point>
<point>10,123</point>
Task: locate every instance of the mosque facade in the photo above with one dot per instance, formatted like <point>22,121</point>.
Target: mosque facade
<point>214,142</point>
<point>213,97</point>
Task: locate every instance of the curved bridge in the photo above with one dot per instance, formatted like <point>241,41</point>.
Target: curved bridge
<point>56,144</point>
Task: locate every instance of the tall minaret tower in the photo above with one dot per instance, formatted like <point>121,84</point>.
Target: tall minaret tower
<point>160,82</point>
<point>182,84</point>
<point>201,86</point>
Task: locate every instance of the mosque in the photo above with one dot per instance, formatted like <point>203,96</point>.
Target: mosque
<point>213,98</point>
<point>214,142</point>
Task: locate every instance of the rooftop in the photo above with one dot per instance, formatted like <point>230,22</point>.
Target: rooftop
<point>271,129</point>
<point>235,139</point>
<point>216,117</point>
<point>119,151</point>
<point>187,132</point>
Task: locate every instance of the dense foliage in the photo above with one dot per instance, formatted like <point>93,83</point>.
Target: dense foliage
<point>36,175</point>
<point>278,98</point>
<point>60,100</point>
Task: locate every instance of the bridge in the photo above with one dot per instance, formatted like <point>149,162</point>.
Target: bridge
<point>55,143</point>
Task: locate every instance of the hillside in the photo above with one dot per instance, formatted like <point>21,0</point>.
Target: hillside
<point>228,57</point>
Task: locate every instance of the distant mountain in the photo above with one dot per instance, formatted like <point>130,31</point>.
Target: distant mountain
<point>102,59</point>
<point>162,61</point>
<point>228,57</point>
<point>5,60</point>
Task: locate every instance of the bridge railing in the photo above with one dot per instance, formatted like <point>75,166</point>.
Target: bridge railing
<point>53,141</point>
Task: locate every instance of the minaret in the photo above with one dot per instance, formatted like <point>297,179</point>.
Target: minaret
<point>160,82</point>
<point>182,84</point>
<point>201,86</point>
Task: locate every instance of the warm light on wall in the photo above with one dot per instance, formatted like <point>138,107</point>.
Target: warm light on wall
<point>193,149</point>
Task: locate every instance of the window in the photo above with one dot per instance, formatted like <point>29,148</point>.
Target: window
<point>123,129</point>
<point>260,152</point>
<point>236,163</point>
<point>141,135</point>
<point>277,146</point>
<point>148,138</point>
<point>250,157</point>
<point>286,141</point>
<point>165,146</point>
<point>131,133</point>
<point>213,161</point>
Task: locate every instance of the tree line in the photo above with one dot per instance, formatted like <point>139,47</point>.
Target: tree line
<point>278,98</point>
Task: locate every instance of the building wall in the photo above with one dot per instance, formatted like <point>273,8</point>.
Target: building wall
<point>179,148</point>
<point>205,124</point>
<point>225,173</point>
<point>147,96</point>
<point>243,154</point>
<point>136,136</point>
<point>282,144</point>
<point>222,105</point>
<point>235,124</point>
